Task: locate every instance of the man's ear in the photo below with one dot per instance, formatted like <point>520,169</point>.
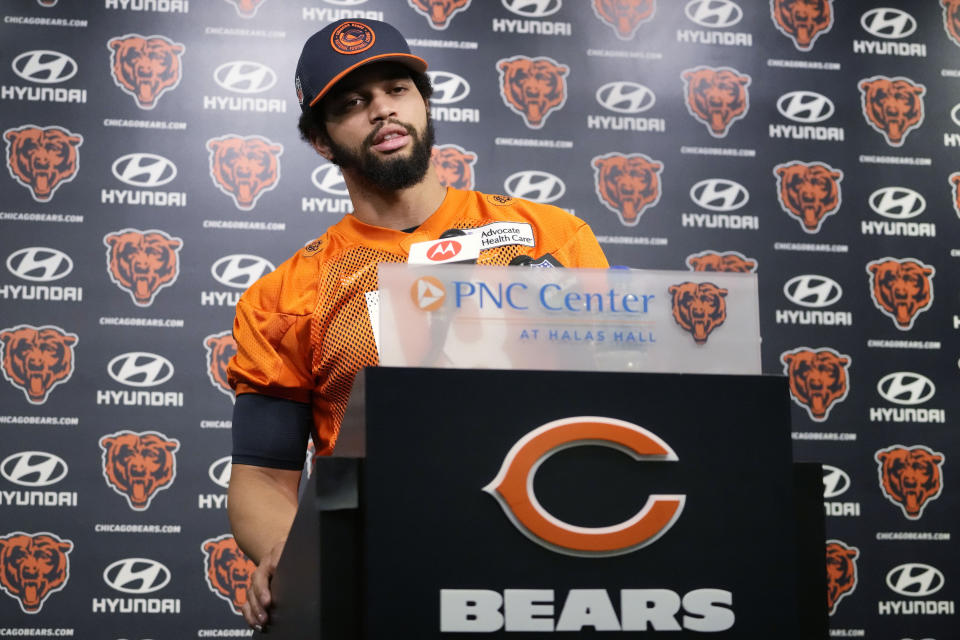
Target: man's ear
<point>318,144</point>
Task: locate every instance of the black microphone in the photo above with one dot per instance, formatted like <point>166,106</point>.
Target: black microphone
<point>452,233</point>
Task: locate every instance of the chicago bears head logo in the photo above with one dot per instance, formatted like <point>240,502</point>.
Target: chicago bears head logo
<point>246,8</point>
<point>627,184</point>
<point>36,359</point>
<point>228,570</point>
<point>138,465</point>
<point>808,191</point>
<point>901,288</point>
<point>955,190</point>
<point>454,165</point>
<point>892,106</point>
<point>699,308</point>
<point>439,12</point>
<point>533,87</point>
<point>244,168</point>
<point>951,19</point>
<point>624,16</point>
<point>803,21</point>
<point>33,566</point>
<point>145,67</point>
<point>42,158</point>
<point>817,378</point>
<point>717,97</point>
<point>910,477</point>
<point>841,572</point>
<point>729,261</point>
<point>142,262</point>
<point>220,348</point>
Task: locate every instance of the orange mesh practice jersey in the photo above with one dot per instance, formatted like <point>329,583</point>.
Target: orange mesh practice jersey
<point>303,331</point>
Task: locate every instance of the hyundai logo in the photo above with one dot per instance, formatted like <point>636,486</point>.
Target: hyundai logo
<point>625,97</point>
<point>812,291</point>
<point>143,170</point>
<point>447,87</point>
<point>533,8</point>
<point>538,186</point>
<point>136,575</point>
<point>835,481</point>
<point>915,580</point>
<point>714,14</point>
<point>240,270</point>
<point>243,76</point>
<point>906,387</point>
<point>898,203</point>
<point>884,22</point>
<point>327,177</point>
<point>44,67</point>
<point>955,114</point>
<point>39,264</point>
<point>140,369</point>
<point>807,107</point>
<point>219,471</point>
<point>718,194</point>
<point>33,468</point>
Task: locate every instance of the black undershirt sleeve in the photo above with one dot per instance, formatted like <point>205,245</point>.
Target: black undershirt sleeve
<point>270,432</point>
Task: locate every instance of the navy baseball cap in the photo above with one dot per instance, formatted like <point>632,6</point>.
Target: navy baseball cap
<point>345,45</point>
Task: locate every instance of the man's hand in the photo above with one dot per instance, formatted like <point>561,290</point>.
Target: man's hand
<point>259,599</point>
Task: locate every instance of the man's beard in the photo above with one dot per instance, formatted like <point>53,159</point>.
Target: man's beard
<point>388,173</point>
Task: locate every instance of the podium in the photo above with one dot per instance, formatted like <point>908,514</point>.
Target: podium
<point>406,533</point>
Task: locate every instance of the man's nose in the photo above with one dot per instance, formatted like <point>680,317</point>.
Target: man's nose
<point>381,108</point>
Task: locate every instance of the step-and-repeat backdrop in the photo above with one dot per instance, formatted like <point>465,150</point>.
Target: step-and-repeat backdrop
<point>154,170</point>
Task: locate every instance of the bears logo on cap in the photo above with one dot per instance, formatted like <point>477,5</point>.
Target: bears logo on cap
<point>352,37</point>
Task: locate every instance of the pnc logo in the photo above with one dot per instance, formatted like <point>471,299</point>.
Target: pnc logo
<point>812,291</point>
<point>884,22</point>
<point>33,468</point>
<point>538,186</point>
<point>835,481</point>
<point>143,170</point>
<point>807,107</point>
<point>244,76</point>
<point>915,580</point>
<point>240,270</point>
<point>428,293</point>
<point>625,97</point>
<point>439,14</point>
<point>906,387</point>
<point>137,576</point>
<point>44,66</point>
<point>328,178</point>
<point>718,194</point>
<point>448,87</point>
<point>219,471</point>
<point>444,251</point>
<point>897,203</point>
<point>513,488</point>
<point>33,566</point>
<point>39,264</point>
<point>533,8</point>
<point>140,369</point>
<point>713,14</point>
<point>910,477</point>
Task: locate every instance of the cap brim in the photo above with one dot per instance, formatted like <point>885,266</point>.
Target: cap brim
<point>408,60</point>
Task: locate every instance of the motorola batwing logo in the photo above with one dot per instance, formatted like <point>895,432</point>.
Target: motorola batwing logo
<point>717,194</point>
<point>812,291</point>
<point>243,76</point>
<point>447,87</point>
<point>143,170</point>
<point>915,580</point>
<point>33,468</point>
<point>625,97</point>
<point>44,67</point>
<point>906,387</point>
<point>328,178</point>
<point>898,203</point>
<point>39,264</point>
<point>835,481</point>
<point>533,8</point>
<point>538,186</point>
<point>807,107</point>
<point>884,22</point>
<point>240,270</point>
<point>140,369</point>
<point>714,14</point>
<point>136,575</point>
<point>219,471</point>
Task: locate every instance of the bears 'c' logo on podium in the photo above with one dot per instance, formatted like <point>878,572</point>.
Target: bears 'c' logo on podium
<point>513,488</point>
<point>33,566</point>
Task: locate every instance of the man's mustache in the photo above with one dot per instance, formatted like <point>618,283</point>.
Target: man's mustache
<point>409,128</point>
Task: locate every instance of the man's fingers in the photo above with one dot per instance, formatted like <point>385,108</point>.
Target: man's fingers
<point>260,585</point>
<point>249,616</point>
